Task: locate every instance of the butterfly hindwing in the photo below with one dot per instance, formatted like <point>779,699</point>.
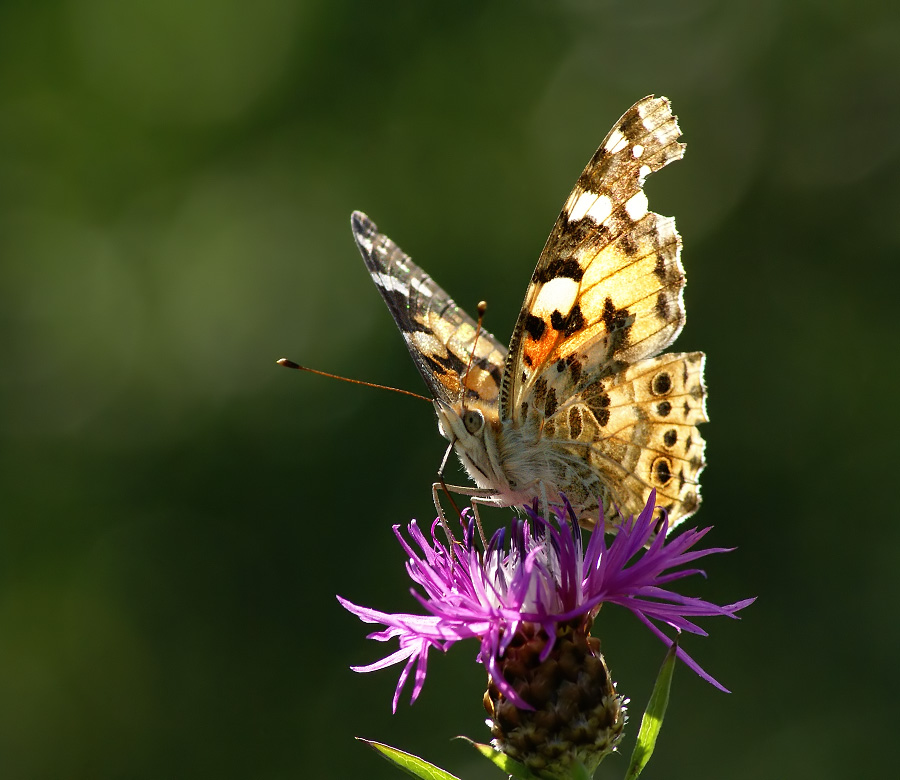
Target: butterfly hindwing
<point>437,332</point>
<point>621,437</point>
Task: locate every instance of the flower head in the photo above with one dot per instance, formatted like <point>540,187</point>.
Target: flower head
<point>540,578</point>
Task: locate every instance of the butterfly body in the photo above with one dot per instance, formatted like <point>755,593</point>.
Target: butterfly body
<point>581,402</point>
<point>500,456</point>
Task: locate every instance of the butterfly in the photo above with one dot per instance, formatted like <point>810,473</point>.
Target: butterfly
<point>581,402</point>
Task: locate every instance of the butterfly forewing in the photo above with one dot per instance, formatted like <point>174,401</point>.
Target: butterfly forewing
<point>607,288</point>
<point>439,335</point>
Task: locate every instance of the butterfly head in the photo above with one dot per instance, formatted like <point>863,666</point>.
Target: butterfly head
<point>472,429</point>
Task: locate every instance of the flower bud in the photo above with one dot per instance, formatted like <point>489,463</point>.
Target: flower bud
<point>577,718</point>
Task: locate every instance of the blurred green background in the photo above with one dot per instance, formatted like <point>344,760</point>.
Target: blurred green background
<point>176,181</point>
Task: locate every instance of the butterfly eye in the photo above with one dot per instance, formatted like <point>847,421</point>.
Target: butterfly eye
<point>474,421</point>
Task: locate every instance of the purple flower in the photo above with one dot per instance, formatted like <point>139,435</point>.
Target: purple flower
<point>542,578</point>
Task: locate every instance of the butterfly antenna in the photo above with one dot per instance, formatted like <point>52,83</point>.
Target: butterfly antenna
<point>482,309</point>
<point>291,364</point>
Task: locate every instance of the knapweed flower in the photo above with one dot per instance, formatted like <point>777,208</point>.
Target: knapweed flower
<point>530,601</point>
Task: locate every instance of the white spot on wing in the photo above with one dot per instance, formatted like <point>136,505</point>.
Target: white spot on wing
<point>391,283</point>
<point>584,201</point>
<point>617,141</point>
<point>636,205</point>
<point>601,210</point>
<point>419,286</point>
<point>556,295</point>
<point>590,204</point>
<point>636,151</point>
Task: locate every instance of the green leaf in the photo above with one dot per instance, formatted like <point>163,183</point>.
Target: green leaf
<point>501,760</point>
<point>409,763</point>
<point>651,723</point>
<point>579,772</point>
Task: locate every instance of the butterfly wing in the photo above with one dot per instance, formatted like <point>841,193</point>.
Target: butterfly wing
<point>605,298</point>
<point>440,336</point>
<point>608,285</point>
<point>616,439</point>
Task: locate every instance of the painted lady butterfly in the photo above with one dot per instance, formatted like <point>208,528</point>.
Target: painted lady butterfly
<point>581,402</point>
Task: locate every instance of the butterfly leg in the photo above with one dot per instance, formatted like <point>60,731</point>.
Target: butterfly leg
<point>475,502</point>
<point>544,504</point>
<point>476,496</point>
